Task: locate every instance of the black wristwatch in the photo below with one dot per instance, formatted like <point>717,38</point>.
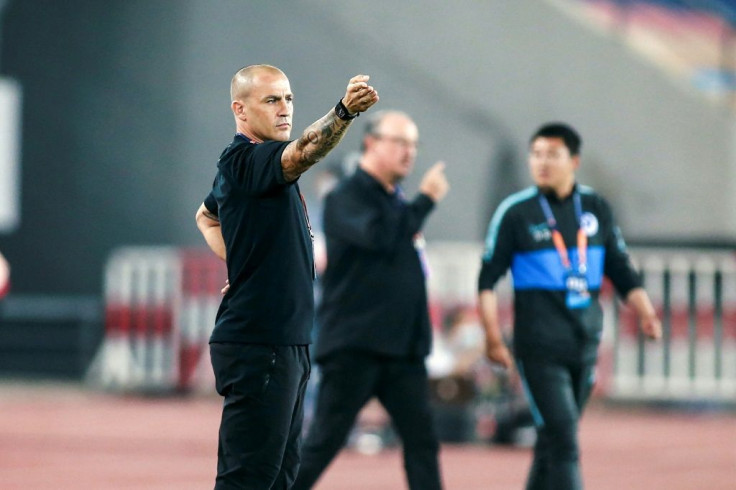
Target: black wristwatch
<point>342,112</point>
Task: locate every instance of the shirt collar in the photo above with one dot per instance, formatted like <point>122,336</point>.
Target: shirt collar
<point>552,197</point>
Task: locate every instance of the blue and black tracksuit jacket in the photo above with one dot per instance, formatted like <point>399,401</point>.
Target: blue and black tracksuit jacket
<point>519,239</point>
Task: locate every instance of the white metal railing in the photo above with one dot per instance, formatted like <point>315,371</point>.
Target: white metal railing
<point>161,305</point>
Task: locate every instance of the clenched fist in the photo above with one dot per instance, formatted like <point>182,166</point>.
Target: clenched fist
<point>359,96</point>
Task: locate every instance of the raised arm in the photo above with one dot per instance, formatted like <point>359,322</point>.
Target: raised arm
<point>209,226</point>
<point>324,134</point>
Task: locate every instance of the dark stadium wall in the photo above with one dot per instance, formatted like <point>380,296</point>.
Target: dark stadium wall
<point>99,82</point>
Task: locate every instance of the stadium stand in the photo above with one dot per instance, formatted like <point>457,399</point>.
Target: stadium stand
<point>692,39</point>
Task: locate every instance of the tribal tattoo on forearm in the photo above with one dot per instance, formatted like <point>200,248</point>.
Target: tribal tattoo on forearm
<point>314,144</point>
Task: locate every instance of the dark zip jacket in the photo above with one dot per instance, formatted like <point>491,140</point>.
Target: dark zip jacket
<point>374,294</point>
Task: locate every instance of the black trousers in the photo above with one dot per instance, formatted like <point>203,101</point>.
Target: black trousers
<point>557,394</point>
<point>260,430</point>
<point>349,380</point>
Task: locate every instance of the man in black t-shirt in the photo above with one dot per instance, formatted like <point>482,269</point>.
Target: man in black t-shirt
<point>559,239</point>
<point>374,323</point>
<point>255,219</point>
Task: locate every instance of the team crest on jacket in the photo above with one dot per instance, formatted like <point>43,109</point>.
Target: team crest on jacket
<point>589,224</point>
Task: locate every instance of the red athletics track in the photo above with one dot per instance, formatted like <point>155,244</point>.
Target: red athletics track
<point>59,437</point>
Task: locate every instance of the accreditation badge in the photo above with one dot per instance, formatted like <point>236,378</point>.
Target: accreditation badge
<point>578,296</point>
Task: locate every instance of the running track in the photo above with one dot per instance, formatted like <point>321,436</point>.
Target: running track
<point>63,437</point>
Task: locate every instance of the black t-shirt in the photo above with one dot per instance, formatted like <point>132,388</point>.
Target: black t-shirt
<point>374,297</point>
<point>519,239</point>
<point>270,262</point>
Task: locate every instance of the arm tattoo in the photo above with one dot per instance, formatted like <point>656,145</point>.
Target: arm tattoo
<point>313,145</point>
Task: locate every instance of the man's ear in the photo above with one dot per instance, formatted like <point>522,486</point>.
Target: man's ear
<point>367,142</point>
<point>576,162</point>
<point>238,109</point>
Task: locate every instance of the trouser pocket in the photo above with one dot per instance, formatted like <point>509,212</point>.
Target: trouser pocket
<point>243,370</point>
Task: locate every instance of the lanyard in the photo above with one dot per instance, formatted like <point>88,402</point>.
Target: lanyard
<point>557,239</point>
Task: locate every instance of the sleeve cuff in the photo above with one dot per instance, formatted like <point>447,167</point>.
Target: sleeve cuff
<point>424,203</point>
<point>280,169</point>
<point>211,204</point>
